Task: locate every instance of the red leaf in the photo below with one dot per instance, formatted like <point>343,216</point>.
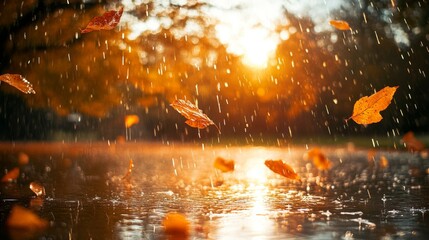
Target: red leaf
<point>279,167</point>
<point>19,82</point>
<point>109,20</point>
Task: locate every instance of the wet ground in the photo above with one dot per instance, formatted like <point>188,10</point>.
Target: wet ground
<point>87,197</point>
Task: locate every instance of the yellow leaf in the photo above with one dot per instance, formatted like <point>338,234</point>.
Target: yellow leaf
<point>131,120</point>
<point>367,109</point>
<point>176,224</point>
<point>319,159</point>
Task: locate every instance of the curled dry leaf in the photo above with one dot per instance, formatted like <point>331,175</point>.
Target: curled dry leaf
<point>412,143</point>
<point>340,25</point>
<point>319,159</point>
<point>224,165</point>
<point>367,109</point>
<point>11,175</point>
<point>109,20</point>
<point>25,220</point>
<point>18,82</point>
<point>195,117</point>
<point>131,120</point>
<point>176,224</point>
<point>279,167</point>
<point>130,169</point>
<point>38,189</point>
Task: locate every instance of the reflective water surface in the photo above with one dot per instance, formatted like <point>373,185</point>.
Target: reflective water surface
<point>88,198</point>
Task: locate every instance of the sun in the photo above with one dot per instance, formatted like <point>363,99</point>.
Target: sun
<point>255,46</point>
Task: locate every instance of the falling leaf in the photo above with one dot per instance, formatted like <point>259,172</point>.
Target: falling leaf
<point>279,167</point>
<point>195,117</point>
<point>384,163</point>
<point>23,159</point>
<point>224,165</point>
<point>18,82</point>
<point>339,24</point>
<point>131,120</point>
<point>412,143</point>
<point>130,169</point>
<point>23,219</point>
<point>176,224</point>
<point>367,109</point>
<point>11,175</point>
<point>109,20</point>
<point>319,159</point>
<point>38,189</point>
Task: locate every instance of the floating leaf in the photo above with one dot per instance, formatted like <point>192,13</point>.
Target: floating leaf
<point>130,169</point>
<point>224,165</point>
<point>11,175</point>
<point>18,82</point>
<point>176,224</point>
<point>38,189</point>
<point>340,25</point>
<point>367,109</point>
<point>131,120</point>
<point>279,167</point>
<point>25,220</point>
<point>319,159</point>
<point>195,117</point>
<point>412,143</point>
<point>109,20</point>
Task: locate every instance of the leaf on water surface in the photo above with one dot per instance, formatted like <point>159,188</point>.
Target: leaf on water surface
<point>108,21</point>
<point>367,109</point>
<point>38,189</point>
<point>130,169</point>
<point>11,175</point>
<point>412,143</point>
<point>195,117</point>
<point>131,120</point>
<point>176,224</point>
<point>25,220</point>
<point>340,25</point>
<point>319,159</point>
<point>279,167</point>
<point>224,165</point>
<point>18,82</point>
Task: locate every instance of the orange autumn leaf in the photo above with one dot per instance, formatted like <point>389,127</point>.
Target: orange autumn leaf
<point>176,224</point>
<point>339,24</point>
<point>367,109</point>
<point>131,120</point>
<point>224,165</point>
<point>18,82</point>
<point>412,143</point>
<point>11,175</point>
<point>38,189</point>
<point>384,163</point>
<point>130,169</point>
<point>109,20</point>
<point>279,167</point>
<point>195,117</point>
<point>319,159</point>
<point>25,220</point>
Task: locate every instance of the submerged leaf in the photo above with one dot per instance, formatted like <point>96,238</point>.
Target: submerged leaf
<point>224,165</point>
<point>279,167</point>
<point>367,109</point>
<point>18,82</point>
<point>340,25</point>
<point>319,159</point>
<point>131,120</point>
<point>109,20</point>
<point>195,117</point>
<point>11,175</point>
<point>412,143</point>
<point>176,224</point>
